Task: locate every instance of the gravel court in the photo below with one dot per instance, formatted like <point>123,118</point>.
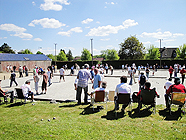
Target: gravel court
<point>65,90</point>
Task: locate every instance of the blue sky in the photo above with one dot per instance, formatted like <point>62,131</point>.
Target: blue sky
<point>38,24</point>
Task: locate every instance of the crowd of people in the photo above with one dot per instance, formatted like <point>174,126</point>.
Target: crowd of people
<point>96,75</point>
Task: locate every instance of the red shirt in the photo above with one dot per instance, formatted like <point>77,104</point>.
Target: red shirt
<point>171,70</point>
<point>176,88</point>
<point>182,71</point>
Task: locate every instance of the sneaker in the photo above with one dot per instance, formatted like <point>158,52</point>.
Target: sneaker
<point>37,93</point>
<point>41,93</point>
<point>45,93</point>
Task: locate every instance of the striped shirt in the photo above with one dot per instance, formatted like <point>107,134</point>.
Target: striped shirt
<point>83,76</point>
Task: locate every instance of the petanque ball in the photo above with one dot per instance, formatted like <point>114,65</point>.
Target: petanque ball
<point>54,118</point>
<point>49,120</point>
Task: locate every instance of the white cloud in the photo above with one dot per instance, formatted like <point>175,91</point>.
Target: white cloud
<point>98,22</point>
<point>33,3</point>
<point>19,31</point>
<point>53,5</point>
<point>69,32</point>
<point>3,37</point>
<point>145,43</point>
<point>112,3</point>
<point>109,29</point>
<point>161,35</point>
<point>37,39</point>
<point>47,23</point>
<point>86,21</point>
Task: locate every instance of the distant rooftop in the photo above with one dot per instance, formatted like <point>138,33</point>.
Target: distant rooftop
<point>23,57</point>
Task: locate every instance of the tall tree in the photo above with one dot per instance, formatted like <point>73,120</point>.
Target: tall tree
<point>181,52</point>
<point>26,51</point>
<point>131,49</point>
<point>5,48</point>
<point>51,56</point>
<point>153,53</point>
<point>69,55</point>
<point>110,54</point>
<point>86,55</point>
<point>38,52</point>
<point>62,56</point>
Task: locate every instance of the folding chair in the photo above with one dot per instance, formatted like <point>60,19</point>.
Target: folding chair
<point>2,95</point>
<point>178,98</point>
<point>111,95</point>
<point>147,99</point>
<point>123,98</point>
<point>99,97</point>
<point>20,95</point>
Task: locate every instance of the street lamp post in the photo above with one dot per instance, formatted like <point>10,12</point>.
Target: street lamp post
<point>55,52</point>
<point>160,52</point>
<point>92,51</point>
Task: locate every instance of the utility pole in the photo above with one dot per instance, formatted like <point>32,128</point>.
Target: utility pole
<point>160,52</point>
<point>55,52</point>
<point>92,51</point>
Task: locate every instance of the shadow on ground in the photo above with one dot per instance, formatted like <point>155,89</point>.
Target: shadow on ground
<point>112,115</point>
<point>15,104</point>
<point>175,115</point>
<point>89,110</point>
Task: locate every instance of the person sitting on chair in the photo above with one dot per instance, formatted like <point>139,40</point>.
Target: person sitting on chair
<point>176,87</point>
<point>6,93</point>
<point>122,88</point>
<point>103,88</point>
<point>147,87</point>
<point>26,89</point>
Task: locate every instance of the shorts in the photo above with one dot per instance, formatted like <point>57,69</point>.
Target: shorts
<point>44,86</point>
<point>61,76</point>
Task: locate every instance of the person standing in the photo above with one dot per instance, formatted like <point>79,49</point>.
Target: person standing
<point>142,79</point>
<point>171,71</point>
<point>106,68</point>
<point>26,70</point>
<point>111,69</point>
<point>14,68</point>
<point>83,76</point>
<point>183,72</point>
<point>44,83</point>
<point>147,72</point>
<point>20,71</point>
<point>49,73</point>
<point>62,74</point>
<point>168,84</point>
<point>175,70</point>
<point>97,79</point>
<point>12,78</point>
<point>36,80</point>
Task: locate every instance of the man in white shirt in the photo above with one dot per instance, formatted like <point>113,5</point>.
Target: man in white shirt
<point>49,73</point>
<point>168,84</point>
<point>26,89</point>
<point>122,88</point>
<point>62,73</point>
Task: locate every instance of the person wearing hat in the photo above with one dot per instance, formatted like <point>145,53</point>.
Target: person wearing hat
<point>6,93</point>
<point>26,89</point>
<point>176,87</point>
<point>142,79</point>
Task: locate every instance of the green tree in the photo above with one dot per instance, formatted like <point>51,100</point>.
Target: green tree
<point>5,48</point>
<point>38,52</point>
<point>110,54</point>
<point>62,56</point>
<point>26,51</point>
<point>51,56</point>
<point>131,49</point>
<point>153,53</point>
<point>69,55</point>
<point>181,52</point>
<point>86,55</point>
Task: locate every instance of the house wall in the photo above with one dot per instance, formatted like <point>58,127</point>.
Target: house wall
<point>29,64</point>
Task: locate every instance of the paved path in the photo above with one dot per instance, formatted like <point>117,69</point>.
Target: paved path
<point>65,90</point>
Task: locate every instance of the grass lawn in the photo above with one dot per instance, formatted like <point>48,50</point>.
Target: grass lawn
<point>73,121</point>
